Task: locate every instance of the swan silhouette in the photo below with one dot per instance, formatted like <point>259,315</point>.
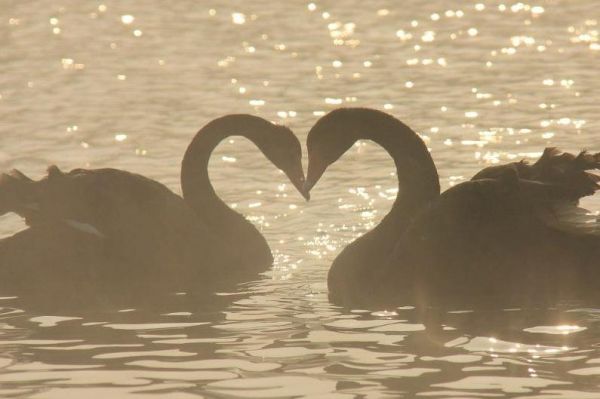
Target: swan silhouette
<point>135,227</point>
<point>513,233</point>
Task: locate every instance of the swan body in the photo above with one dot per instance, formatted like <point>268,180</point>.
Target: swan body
<point>122,217</point>
<point>488,238</point>
<point>125,213</point>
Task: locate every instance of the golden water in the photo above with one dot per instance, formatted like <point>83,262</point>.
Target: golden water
<point>127,84</point>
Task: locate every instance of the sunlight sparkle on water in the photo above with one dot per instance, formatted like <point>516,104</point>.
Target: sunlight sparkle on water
<point>428,36</point>
<point>238,18</point>
<point>483,82</point>
<point>127,19</point>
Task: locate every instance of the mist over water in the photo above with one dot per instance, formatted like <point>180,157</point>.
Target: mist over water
<point>127,85</point>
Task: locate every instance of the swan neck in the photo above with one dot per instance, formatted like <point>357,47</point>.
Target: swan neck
<point>418,186</point>
<point>197,189</point>
<point>418,180</point>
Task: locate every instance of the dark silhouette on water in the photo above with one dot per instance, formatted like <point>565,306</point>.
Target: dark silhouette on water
<point>120,228</point>
<point>513,233</point>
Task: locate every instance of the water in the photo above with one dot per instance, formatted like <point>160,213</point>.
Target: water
<point>126,84</point>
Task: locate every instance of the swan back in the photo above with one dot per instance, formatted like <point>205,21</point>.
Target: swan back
<point>490,240</point>
<point>134,217</point>
<point>556,183</point>
<point>571,172</point>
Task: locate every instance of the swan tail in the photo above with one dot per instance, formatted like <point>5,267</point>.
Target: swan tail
<point>17,194</point>
<point>32,200</point>
<point>24,196</point>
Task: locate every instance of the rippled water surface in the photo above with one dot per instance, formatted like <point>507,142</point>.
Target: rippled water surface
<point>127,84</point>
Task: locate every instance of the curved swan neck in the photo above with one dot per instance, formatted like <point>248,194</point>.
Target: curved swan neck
<point>417,175</point>
<point>195,183</point>
<point>418,182</point>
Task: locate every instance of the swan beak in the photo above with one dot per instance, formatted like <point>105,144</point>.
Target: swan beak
<point>297,179</point>
<point>305,193</point>
<point>306,189</point>
<point>299,184</point>
<point>313,174</point>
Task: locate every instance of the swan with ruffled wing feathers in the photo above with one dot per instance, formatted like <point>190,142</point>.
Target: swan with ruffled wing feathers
<point>127,218</point>
<point>488,237</point>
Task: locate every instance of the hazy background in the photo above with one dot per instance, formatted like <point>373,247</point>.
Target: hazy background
<point>126,84</point>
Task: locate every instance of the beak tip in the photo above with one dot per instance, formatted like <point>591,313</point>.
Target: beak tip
<point>305,192</point>
<point>305,188</point>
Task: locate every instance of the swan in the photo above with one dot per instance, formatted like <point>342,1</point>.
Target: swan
<point>505,235</point>
<point>134,221</point>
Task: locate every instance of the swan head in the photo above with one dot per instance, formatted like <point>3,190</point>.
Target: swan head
<point>332,135</point>
<point>283,149</point>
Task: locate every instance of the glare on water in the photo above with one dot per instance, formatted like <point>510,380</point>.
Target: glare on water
<point>127,84</point>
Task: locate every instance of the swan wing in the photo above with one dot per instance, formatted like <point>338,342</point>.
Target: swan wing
<point>495,238</point>
<point>570,218</point>
<point>49,201</point>
<point>573,173</point>
<point>111,203</point>
<point>553,186</point>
